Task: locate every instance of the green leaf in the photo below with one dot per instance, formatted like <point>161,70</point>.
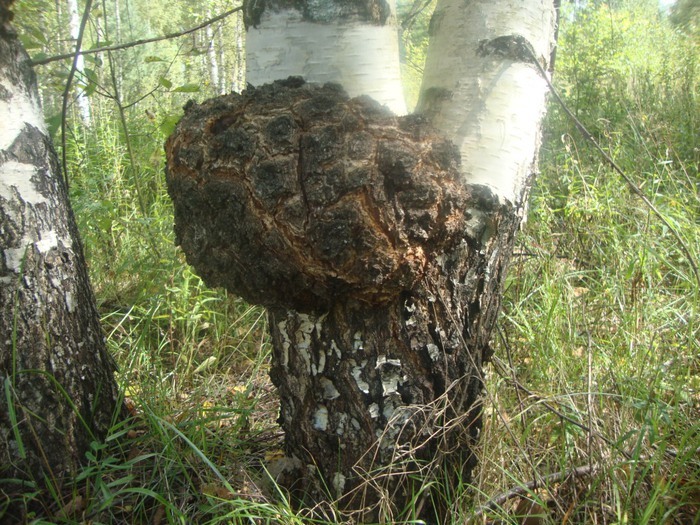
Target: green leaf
<point>89,89</point>
<point>29,42</point>
<point>153,58</point>
<point>167,126</point>
<point>165,82</point>
<point>187,88</point>
<point>53,123</point>
<point>95,59</point>
<point>101,43</point>
<point>90,74</point>
<point>39,56</point>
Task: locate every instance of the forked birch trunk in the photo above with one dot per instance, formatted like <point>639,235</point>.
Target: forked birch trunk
<point>58,391</point>
<point>378,246</point>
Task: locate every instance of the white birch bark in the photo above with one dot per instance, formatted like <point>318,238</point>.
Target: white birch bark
<point>212,59</point>
<point>240,66</point>
<point>81,100</point>
<point>489,105</point>
<point>362,57</point>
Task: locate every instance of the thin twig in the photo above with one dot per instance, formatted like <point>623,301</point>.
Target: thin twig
<point>534,484</point>
<point>556,477</point>
<point>117,47</point>
<point>636,189</point>
<point>66,92</point>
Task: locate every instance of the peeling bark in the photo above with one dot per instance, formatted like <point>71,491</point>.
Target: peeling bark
<point>55,371</point>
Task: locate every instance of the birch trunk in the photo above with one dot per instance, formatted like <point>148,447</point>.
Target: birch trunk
<point>212,59</point>
<point>81,100</point>
<point>59,393</point>
<point>240,66</point>
<point>353,43</point>
<point>379,255</point>
<point>482,90</point>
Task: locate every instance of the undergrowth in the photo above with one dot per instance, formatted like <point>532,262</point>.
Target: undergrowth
<point>592,408</point>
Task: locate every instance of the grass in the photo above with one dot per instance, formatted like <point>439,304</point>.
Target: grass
<point>593,405</point>
<point>592,409</point>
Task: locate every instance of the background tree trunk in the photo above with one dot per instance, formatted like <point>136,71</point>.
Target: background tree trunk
<point>59,392</point>
<point>82,101</point>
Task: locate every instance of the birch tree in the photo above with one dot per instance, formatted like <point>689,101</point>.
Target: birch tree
<point>379,243</point>
<point>81,99</point>
<point>58,389</point>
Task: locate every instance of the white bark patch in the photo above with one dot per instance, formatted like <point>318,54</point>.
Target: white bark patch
<point>410,308</point>
<point>383,360</point>
<point>329,390</point>
<point>390,373</point>
<point>356,55</point>
<point>493,105</point>
<point>13,259</point>
<point>319,367</point>
<point>18,182</point>
<point>390,384</point>
<point>286,342</point>
<point>320,421</point>
<point>303,340</point>
<point>357,375</point>
<point>397,417</point>
<point>357,341</point>
<point>338,483</point>
<point>390,405</point>
<point>48,241</point>
<point>433,351</point>
<point>16,112</point>
<point>19,177</point>
<point>374,410</point>
<point>334,348</point>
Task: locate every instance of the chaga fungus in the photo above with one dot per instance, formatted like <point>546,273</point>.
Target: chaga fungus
<point>294,195</point>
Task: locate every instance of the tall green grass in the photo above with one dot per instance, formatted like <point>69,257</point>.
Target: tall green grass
<point>592,409</point>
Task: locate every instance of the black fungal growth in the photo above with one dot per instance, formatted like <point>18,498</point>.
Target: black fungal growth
<point>295,195</point>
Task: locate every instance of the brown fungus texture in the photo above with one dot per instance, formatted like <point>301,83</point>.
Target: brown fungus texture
<point>293,195</point>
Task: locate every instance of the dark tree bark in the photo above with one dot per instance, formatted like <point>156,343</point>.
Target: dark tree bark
<point>380,270</point>
<point>59,392</point>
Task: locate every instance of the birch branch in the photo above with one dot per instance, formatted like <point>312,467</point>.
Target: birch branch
<point>117,47</point>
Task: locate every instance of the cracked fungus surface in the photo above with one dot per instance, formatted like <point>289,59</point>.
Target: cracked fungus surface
<point>294,195</point>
